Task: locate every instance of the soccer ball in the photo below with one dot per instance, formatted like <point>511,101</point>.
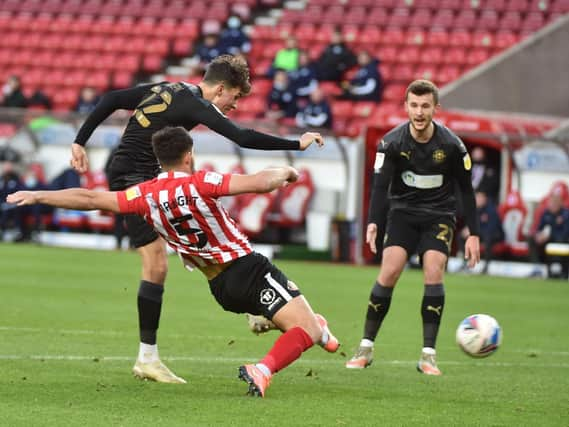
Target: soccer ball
<point>479,335</point>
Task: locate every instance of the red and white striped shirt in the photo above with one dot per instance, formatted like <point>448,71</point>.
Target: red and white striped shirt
<point>185,210</point>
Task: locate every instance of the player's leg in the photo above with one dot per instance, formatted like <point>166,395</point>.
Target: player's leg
<point>434,249</point>
<point>401,239</point>
<point>252,284</point>
<point>152,251</point>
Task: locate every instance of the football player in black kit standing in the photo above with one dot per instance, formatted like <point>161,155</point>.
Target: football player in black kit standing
<point>417,163</point>
<point>155,107</point>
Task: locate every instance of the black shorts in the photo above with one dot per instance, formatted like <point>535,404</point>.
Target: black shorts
<point>122,176</point>
<point>418,233</point>
<point>252,284</point>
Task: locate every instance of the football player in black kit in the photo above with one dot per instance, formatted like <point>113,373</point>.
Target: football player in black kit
<point>413,203</point>
<point>155,107</point>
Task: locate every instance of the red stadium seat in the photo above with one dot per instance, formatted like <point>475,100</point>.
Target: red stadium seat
<point>427,71</point>
<point>443,19</point>
<point>466,19</point>
<point>291,204</point>
<point>513,214</point>
<point>533,22</point>
<point>460,38</point>
<point>378,16</point>
<point>477,56</point>
<point>416,37</point>
<point>403,73</point>
<point>505,39</point>
<point>399,18</point>
<point>421,18</point>
<point>432,55</point>
<point>455,56</point>
<point>342,109</point>
<point>394,92</point>
<point>483,39</point>
<point>488,20</point>
<point>369,35</point>
<point>518,5</point>
<point>387,54</point>
<point>437,38</point>
<point>511,21</point>
<point>409,55</point>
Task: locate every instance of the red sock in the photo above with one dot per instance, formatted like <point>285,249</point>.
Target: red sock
<point>287,348</point>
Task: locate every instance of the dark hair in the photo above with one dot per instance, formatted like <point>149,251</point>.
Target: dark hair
<point>423,87</point>
<point>231,70</point>
<point>170,144</point>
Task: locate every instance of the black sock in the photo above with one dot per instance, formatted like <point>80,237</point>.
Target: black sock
<point>378,306</point>
<point>431,312</point>
<point>149,306</point>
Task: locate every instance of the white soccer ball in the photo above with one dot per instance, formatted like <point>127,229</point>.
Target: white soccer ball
<point>479,335</point>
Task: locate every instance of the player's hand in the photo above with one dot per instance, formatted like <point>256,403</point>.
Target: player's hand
<point>22,198</point>
<point>308,138</point>
<point>371,235</point>
<point>292,175</point>
<point>472,251</point>
<point>79,160</point>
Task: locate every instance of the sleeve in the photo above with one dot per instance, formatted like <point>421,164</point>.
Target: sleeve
<point>124,99</point>
<point>383,172</point>
<point>463,175</point>
<point>211,117</point>
<point>131,201</point>
<point>212,184</point>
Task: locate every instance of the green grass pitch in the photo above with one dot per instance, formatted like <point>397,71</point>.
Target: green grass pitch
<point>68,339</point>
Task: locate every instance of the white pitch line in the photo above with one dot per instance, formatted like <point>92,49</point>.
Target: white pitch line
<point>222,337</point>
<point>304,361</point>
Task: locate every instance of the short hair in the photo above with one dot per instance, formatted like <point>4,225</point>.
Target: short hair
<point>423,87</point>
<point>171,144</point>
<point>231,70</point>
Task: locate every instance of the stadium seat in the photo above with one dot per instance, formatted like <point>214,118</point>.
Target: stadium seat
<point>513,212</point>
<point>447,74</point>
<point>342,109</point>
<point>517,6</point>
<point>443,19</point>
<point>291,204</point>
<point>403,73</point>
<point>460,38</point>
<point>437,38</point>
<point>431,55</point>
<point>488,20</point>
<point>394,92</point>
<point>416,37</point>
<point>511,21</point>
<point>483,39</point>
<point>378,16</point>
<point>466,19</point>
<point>421,18</point>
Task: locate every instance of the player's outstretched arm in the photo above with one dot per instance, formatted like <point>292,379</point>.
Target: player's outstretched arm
<point>262,182</point>
<point>123,99</point>
<point>72,198</point>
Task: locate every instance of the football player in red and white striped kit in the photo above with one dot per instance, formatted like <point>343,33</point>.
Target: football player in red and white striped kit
<point>183,206</point>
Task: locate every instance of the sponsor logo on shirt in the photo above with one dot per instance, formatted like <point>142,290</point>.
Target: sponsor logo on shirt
<point>213,178</point>
<point>379,158</point>
<point>467,162</point>
<point>421,181</point>
<point>132,193</point>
